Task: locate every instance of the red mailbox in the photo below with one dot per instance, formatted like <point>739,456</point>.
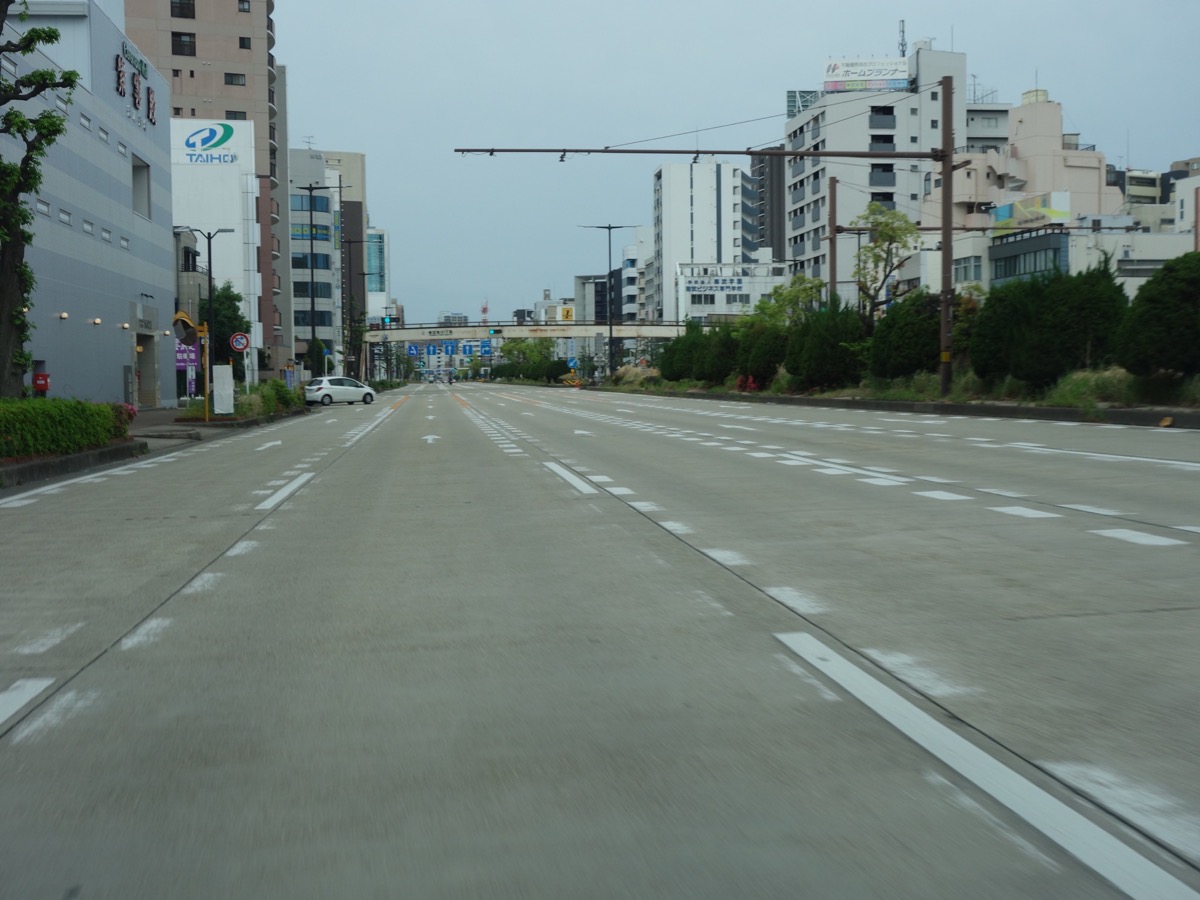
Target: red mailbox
<point>41,381</point>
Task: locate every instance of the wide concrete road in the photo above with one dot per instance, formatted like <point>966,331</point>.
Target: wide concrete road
<point>480,641</point>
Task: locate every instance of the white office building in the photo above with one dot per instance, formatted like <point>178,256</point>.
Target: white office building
<point>705,212</point>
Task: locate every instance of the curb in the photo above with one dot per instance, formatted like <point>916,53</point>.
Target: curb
<point>41,469</point>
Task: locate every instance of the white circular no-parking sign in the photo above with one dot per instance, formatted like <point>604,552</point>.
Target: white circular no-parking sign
<point>240,342</point>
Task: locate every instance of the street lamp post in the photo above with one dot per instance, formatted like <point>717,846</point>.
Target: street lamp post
<point>210,323</point>
<point>612,360</point>
<point>312,262</point>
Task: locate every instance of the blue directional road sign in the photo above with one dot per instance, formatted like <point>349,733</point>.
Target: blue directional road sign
<point>572,362</point>
<point>450,347</point>
<point>431,349</point>
<point>485,347</point>
<point>412,349</point>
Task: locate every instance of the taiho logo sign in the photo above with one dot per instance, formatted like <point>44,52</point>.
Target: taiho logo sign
<point>202,143</point>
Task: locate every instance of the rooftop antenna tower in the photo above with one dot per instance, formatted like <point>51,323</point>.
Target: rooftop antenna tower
<point>483,312</point>
<point>903,42</point>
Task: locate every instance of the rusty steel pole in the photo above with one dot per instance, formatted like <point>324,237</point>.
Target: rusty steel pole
<point>947,344</point>
<point>833,236</point>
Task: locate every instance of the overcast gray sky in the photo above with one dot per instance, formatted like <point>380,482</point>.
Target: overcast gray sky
<point>405,83</point>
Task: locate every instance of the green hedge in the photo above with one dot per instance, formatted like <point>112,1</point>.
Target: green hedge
<point>39,427</point>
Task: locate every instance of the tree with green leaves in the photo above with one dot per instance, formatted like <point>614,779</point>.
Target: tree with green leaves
<point>316,360</point>
<point>1161,332</point>
<point>788,304</point>
<point>227,313</point>
<point>893,238</point>
<point>907,340</point>
<point>21,154</point>
<point>825,352</point>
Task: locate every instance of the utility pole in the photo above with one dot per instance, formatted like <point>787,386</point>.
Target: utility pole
<point>612,357</point>
<point>210,322</point>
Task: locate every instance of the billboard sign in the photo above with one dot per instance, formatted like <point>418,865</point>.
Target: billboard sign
<point>1038,211</point>
<point>887,74</point>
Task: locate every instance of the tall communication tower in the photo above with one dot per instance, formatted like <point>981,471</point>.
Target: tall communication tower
<point>483,313</point>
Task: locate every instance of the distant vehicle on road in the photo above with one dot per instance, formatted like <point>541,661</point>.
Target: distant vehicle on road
<point>337,389</point>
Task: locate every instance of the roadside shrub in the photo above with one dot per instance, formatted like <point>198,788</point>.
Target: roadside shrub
<point>123,416</point>
<point>906,340</point>
<point>41,426</point>
<point>1161,331</point>
<point>829,356</point>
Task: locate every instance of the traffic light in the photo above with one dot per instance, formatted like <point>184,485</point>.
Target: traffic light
<point>495,331</point>
<point>387,321</point>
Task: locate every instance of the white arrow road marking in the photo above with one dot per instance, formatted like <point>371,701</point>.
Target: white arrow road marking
<point>430,438</point>
<point>271,444</point>
<point>577,431</point>
<point>431,417</point>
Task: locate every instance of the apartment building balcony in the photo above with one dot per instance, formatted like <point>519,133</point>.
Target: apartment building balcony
<point>271,102</point>
<point>882,179</point>
<point>270,31</point>
<point>878,146</point>
<point>797,143</point>
<point>271,68</point>
<point>798,168</point>
<point>797,250</point>
<point>797,221</point>
<point>797,195</point>
<point>881,121</point>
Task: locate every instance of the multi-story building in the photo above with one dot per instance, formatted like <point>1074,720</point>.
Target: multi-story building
<point>313,203</point>
<point>892,105</point>
<point>1012,198</point>
<point>219,61</point>
<point>770,178</point>
<point>704,212</point>
<point>103,251</point>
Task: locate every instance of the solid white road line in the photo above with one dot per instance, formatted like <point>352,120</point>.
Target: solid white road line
<point>1110,858</point>
<point>19,693</point>
<point>286,491</point>
<point>571,478</point>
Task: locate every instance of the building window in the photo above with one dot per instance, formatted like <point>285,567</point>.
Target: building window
<point>183,9</point>
<point>235,78</point>
<point>302,317</point>
<point>122,149</point>
<point>933,123</point>
<point>243,43</point>
<point>235,115</point>
<point>124,243</point>
<point>88,227</point>
<point>320,202</point>
<point>106,235</point>
<point>141,187</point>
<point>183,43</point>
<point>323,290</point>
<point>243,5</point>
<point>9,66</point>
<point>300,261</point>
<point>64,216</point>
<point>43,207</point>
<point>933,95</point>
<point>102,133</point>
<point>177,111</point>
<point>704,299</point>
<point>968,268</point>
<point>85,121</point>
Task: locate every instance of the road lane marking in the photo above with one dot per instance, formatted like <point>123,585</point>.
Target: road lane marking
<point>19,693</point>
<point>1096,510</point>
<point>1025,512</point>
<point>797,601</point>
<point>146,633</point>
<point>50,639</point>
<point>571,478</point>
<point>726,557</point>
<point>205,581</point>
<point>1138,537</point>
<point>286,491</point>
<point>677,528</point>
<point>941,495</point>
<point>1089,843</point>
<point>808,678</point>
<point>57,711</point>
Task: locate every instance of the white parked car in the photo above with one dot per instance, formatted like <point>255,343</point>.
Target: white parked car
<point>337,389</point>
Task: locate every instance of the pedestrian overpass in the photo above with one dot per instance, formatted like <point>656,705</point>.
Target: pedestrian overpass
<point>479,331</point>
